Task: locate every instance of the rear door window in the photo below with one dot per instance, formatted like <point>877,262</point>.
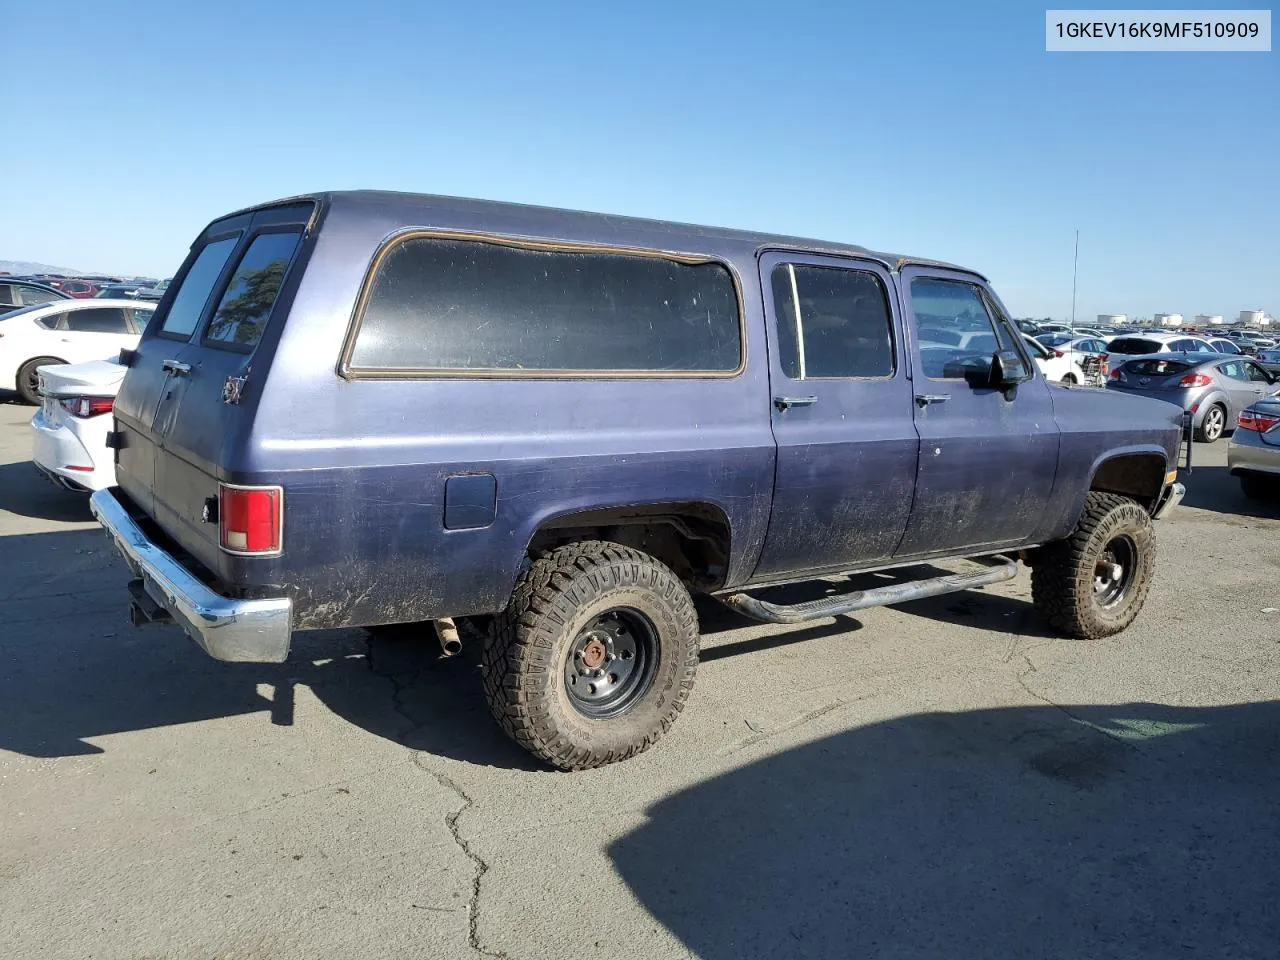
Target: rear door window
<point>97,320</point>
<point>246,304</point>
<point>186,308</point>
<point>832,322</point>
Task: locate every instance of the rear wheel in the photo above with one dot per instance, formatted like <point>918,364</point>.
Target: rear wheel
<point>1213,424</point>
<point>29,378</point>
<point>1093,584</point>
<point>594,657</point>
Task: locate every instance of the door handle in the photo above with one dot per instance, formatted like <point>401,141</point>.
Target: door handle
<point>785,403</point>
<point>176,367</point>
<point>925,399</point>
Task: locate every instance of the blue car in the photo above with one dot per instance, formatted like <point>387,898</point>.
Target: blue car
<point>365,409</point>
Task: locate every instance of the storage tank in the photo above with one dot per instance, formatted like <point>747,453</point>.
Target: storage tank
<point>1168,319</point>
<point>1208,319</point>
<point>1250,318</point>
<point>1112,319</point>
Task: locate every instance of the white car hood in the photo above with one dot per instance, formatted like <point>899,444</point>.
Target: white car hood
<point>96,378</point>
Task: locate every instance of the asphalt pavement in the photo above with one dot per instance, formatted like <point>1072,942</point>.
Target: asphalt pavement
<point>942,779</point>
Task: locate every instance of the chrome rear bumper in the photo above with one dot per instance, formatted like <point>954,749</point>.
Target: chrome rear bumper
<point>255,631</point>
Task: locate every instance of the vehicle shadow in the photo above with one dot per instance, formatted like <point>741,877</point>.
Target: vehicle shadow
<point>1213,488</point>
<point>76,665</point>
<point>28,493</point>
<point>77,670</point>
<point>12,396</point>
<point>1140,830</point>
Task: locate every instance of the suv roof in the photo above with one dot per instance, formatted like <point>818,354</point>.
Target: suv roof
<point>543,221</point>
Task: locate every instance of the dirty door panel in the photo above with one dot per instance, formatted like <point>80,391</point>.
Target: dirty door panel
<point>988,457</point>
<point>847,445</point>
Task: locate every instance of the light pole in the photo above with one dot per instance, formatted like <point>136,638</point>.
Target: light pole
<point>1075,264</point>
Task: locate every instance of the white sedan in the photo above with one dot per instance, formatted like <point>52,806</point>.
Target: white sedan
<point>1055,364</point>
<point>72,424</point>
<point>65,331</point>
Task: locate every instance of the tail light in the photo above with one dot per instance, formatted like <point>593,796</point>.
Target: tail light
<point>86,407</point>
<point>1057,354</point>
<point>1257,422</point>
<point>250,519</point>
<point>1195,380</point>
<point>1117,374</point>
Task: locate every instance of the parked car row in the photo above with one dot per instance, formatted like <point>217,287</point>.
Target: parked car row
<point>20,291</point>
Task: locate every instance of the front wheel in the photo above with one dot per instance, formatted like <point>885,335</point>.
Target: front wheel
<point>594,657</point>
<point>1093,584</point>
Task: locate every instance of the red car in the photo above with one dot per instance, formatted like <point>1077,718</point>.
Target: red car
<point>79,289</point>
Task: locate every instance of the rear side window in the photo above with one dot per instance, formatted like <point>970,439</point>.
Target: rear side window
<point>833,322</point>
<point>245,306</point>
<point>97,320</point>
<point>36,295</point>
<point>442,304</point>
<point>188,305</point>
<point>1133,345</point>
<point>1157,368</point>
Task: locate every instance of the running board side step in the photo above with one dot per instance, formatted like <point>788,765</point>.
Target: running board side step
<point>999,569</point>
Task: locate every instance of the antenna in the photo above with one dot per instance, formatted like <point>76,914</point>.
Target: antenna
<point>1075,264</point>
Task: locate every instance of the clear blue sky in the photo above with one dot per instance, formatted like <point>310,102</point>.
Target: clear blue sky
<point>932,129</point>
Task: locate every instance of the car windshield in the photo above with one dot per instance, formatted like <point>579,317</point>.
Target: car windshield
<point>1157,368</point>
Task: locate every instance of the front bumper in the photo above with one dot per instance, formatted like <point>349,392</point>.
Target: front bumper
<point>1171,497</point>
<point>255,631</point>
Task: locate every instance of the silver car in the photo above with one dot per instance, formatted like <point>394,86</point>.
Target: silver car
<point>1253,454</point>
<point>1213,387</point>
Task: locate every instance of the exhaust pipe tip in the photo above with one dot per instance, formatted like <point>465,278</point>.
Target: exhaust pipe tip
<point>447,634</point>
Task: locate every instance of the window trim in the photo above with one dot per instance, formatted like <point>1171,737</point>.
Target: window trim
<point>181,278</point>
<point>224,282</point>
<point>349,371</point>
<point>795,258</point>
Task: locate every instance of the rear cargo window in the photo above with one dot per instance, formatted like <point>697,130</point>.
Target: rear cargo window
<point>1134,345</point>
<point>242,314</point>
<point>188,305</point>
<point>1157,368</point>
<point>443,304</point>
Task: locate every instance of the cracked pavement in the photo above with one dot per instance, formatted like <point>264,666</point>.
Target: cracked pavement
<point>940,779</point>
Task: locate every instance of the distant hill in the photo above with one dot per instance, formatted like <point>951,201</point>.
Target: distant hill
<point>23,267</point>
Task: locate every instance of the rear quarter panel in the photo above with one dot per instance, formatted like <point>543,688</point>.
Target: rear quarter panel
<point>364,462</point>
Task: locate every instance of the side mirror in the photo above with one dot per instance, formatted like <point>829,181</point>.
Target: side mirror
<point>1008,368</point>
